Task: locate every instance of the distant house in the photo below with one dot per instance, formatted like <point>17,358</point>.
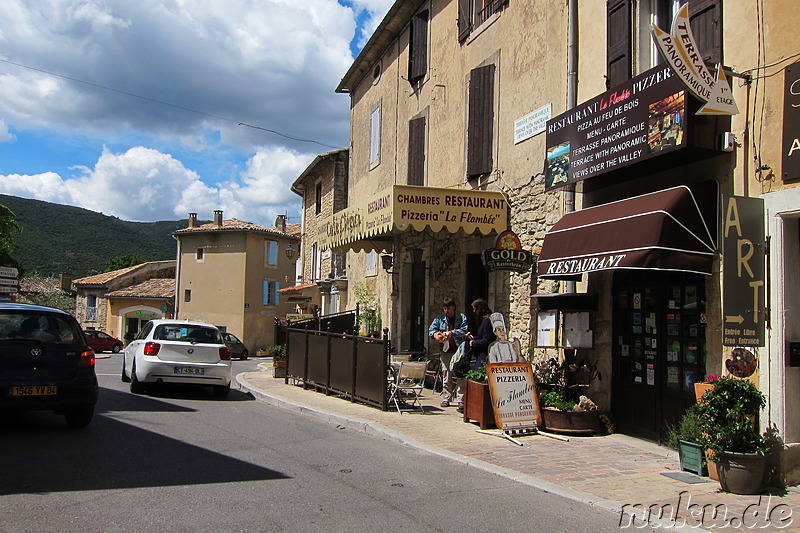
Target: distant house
<point>101,305</point>
<point>230,274</point>
<point>46,290</point>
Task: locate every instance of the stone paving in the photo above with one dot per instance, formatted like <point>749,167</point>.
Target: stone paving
<point>614,472</point>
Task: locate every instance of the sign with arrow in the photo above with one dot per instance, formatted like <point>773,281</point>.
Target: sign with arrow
<point>744,272</point>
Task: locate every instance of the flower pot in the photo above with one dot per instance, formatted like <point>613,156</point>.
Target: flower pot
<point>692,457</point>
<point>278,368</point>
<point>571,422</point>
<point>740,473</point>
<point>478,403</point>
<point>711,465</point>
<point>701,388</point>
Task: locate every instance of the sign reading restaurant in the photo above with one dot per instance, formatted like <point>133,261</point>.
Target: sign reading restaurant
<point>403,207</point>
<point>641,118</point>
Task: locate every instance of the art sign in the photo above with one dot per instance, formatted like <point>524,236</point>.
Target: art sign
<point>507,254</point>
<point>641,118</point>
<point>514,397</point>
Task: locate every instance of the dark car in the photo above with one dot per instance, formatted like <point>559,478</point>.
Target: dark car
<point>102,342</point>
<point>46,363</point>
<point>235,346</point>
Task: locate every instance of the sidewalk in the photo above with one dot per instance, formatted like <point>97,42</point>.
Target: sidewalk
<point>611,472</point>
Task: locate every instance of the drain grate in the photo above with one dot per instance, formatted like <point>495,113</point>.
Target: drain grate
<point>686,477</point>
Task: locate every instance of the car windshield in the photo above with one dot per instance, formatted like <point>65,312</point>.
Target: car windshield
<point>187,333</point>
<point>45,327</point>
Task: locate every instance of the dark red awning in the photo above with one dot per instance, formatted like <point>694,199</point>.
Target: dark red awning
<point>664,230</point>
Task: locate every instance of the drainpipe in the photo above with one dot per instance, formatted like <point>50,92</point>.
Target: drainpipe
<point>176,297</point>
<point>572,99</point>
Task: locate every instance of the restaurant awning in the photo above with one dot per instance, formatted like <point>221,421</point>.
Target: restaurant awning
<point>403,207</point>
<point>664,230</point>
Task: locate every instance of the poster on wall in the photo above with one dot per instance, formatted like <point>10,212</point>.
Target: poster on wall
<point>547,329</point>
<point>514,397</point>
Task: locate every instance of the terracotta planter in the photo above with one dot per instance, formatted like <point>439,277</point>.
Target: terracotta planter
<point>571,422</point>
<point>701,388</point>
<point>278,368</point>
<point>711,465</point>
<point>478,403</point>
<point>741,473</point>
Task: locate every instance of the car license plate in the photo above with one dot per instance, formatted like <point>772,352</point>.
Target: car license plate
<point>34,390</point>
<point>189,370</point>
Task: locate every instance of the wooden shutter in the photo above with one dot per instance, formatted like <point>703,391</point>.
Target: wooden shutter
<point>418,53</point>
<point>705,17</point>
<point>480,121</point>
<point>618,39</point>
<point>416,151</point>
<point>464,19</point>
<point>498,5</point>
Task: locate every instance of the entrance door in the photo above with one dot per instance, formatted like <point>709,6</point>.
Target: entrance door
<point>417,324</point>
<point>476,286</point>
<point>659,349</point>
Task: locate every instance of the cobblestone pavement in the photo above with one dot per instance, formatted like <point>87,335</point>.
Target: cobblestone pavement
<point>615,472</point>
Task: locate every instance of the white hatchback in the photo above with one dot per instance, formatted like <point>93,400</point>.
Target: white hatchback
<point>178,351</point>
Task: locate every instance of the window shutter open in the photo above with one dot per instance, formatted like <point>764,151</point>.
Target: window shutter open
<point>418,54</point>
<point>416,151</point>
<point>705,16</point>
<point>618,31</point>
<point>480,121</point>
<point>464,19</point>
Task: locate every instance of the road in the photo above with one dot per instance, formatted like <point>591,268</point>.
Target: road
<point>180,460</point>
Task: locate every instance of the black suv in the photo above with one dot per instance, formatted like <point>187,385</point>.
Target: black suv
<point>46,363</point>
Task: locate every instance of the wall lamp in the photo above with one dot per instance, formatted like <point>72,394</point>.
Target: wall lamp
<point>290,252</point>
<point>387,262</point>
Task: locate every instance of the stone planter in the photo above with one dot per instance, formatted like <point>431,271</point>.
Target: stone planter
<point>692,457</point>
<point>478,403</point>
<point>741,473</point>
<point>571,422</point>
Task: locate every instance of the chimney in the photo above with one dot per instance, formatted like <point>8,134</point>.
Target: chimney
<point>192,220</point>
<point>218,218</point>
<point>65,282</point>
<point>280,223</point>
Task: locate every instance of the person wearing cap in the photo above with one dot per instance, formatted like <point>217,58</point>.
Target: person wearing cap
<point>449,328</point>
<point>503,350</point>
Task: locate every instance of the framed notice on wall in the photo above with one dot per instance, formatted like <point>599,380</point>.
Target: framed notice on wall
<point>547,329</point>
<point>577,330</point>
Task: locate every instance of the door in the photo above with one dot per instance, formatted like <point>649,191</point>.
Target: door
<point>417,323</point>
<point>659,349</point>
<point>476,286</point>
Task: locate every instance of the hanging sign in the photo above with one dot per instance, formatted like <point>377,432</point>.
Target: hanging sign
<point>514,397</point>
<point>507,254</point>
<point>680,50</point>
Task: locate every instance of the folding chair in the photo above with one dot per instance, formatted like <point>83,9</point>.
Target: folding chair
<point>433,370</point>
<point>408,384</point>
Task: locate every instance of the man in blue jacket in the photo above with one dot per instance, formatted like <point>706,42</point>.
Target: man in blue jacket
<point>449,328</point>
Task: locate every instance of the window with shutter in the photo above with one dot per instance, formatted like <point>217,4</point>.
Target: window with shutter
<point>418,53</point>
<point>618,33</point>
<point>473,13</point>
<point>375,137</point>
<point>705,17</point>
<point>416,151</point>
<point>480,121</point>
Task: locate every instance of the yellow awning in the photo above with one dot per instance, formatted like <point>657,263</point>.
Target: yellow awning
<point>402,207</point>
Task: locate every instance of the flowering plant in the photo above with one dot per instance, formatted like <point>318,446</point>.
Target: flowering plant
<point>712,378</point>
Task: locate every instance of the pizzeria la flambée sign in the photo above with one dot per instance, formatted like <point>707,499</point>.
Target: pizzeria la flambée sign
<point>680,50</point>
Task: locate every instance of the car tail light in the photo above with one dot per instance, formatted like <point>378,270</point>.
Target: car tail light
<point>86,360</point>
<point>151,348</point>
<point>224,353</point>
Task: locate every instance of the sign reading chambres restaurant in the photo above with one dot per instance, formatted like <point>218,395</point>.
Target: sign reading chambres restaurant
<point>641,118</point>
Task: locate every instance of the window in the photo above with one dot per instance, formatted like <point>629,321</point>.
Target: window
<point>187,295</point>
<point>316,262</point>
<point>375,137</point>
<point>318,199</point>
<point>91,307</point>
<point>473,13</point>
<point>630,47</point>
<point>199,254</point>
<point>416,151</point>
<point>480,121</point>
<point>371,263</point>
<point>269,292</point>
<point>270,253</point>
<point>418,47</point>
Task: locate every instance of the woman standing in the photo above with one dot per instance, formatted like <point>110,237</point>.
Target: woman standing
<point>479,343</point>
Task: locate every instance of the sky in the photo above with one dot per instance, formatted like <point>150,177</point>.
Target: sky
<point>151,109</point>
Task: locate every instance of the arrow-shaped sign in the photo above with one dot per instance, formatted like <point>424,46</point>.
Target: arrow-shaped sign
<point>736,318</point>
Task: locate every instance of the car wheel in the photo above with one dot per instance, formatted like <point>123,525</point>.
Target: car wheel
<point>244,355</point>
<point>221,391</point>
<point>116,348</point>
<point>137,387</point>
<point>78,417</point>
<point>123,377</point>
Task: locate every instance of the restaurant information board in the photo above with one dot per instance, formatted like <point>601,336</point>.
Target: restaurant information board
<point>514,398</point>
<point>641,118</point>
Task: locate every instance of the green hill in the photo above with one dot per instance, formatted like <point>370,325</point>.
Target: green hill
<point>61,238</point>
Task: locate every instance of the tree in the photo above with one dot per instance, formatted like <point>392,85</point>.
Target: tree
<point>8,228</point>
<point>123,261</point>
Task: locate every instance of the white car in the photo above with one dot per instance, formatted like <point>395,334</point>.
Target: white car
<point>178,351</point>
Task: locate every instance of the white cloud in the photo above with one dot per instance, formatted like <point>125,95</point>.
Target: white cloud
<point>5,135</point>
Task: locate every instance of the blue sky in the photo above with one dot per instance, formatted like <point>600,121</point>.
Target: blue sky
<point>135,109</point>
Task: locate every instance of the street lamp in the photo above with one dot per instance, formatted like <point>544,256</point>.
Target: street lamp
<point>290,252</point>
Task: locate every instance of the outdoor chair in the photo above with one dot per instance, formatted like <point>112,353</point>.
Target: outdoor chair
<point>408,384</point>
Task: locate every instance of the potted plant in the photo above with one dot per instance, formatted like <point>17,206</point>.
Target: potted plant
<point>477,398</point>
<point>565,407</point>
<point>278,353</point>
<point>701,387</point>
<point>686,438</point>
<point>728,416</point>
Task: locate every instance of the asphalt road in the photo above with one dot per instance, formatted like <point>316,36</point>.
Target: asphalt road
<point>179,460</point>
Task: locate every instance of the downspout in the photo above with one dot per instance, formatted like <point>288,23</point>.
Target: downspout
<point>572,99</point>
<point>177,277</point>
